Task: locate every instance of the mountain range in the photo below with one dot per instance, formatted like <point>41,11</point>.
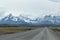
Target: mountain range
<point>46,20</point>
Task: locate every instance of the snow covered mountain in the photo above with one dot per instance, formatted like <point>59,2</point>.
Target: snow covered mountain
<point>10,19</point>
<point>48,19</point>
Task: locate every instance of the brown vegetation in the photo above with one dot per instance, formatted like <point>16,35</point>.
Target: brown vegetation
<point>9,30</point>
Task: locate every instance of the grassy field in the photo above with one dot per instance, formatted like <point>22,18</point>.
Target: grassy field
<point>10,30</point>
<point>56,29</point>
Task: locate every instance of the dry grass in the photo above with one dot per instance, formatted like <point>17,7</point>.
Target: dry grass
<point>57,29</point>
<point>9,30</point>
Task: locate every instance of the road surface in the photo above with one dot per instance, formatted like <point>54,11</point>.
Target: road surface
<point>38,34</point>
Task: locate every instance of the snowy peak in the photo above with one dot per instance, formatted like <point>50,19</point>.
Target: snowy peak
<point>48,19</point>
<point>9,17</point>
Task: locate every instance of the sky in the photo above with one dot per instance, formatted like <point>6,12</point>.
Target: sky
<point>29,8</point>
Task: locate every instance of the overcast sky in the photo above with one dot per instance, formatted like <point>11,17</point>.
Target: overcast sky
<point>31,8</point>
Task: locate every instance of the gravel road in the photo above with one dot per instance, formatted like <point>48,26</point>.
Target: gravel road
<point>37,34</point>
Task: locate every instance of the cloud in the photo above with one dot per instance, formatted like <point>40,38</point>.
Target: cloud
<point>55,1</point>
<point>2,11</point>
<point>33,8</point>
